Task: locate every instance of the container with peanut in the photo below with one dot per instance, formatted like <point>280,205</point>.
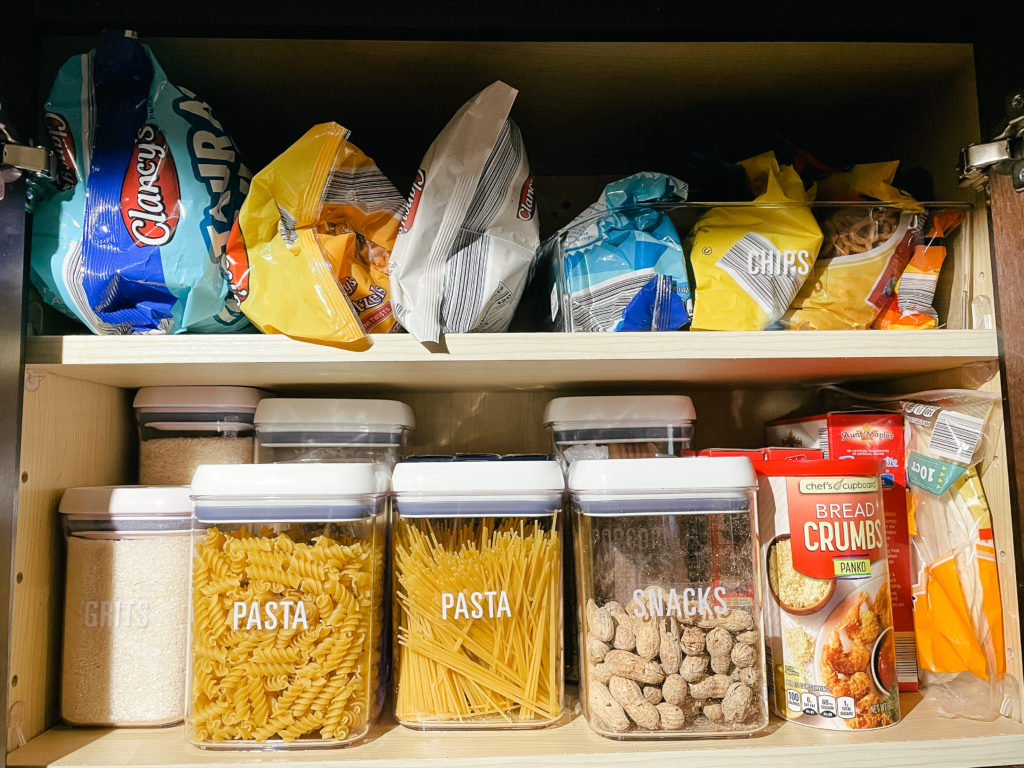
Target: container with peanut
<point>668,647</point>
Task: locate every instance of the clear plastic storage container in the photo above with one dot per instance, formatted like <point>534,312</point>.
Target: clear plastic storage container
<point>620,426</point>
<point>183,427</point>
<point>288,605</point>
<point>125,605</point>
<point>666,569</point>
<point>314,429</point>
<point>477,559</point>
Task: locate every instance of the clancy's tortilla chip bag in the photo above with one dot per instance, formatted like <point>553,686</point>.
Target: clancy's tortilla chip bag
<point>749,261</point>
<point>309,257</point>
<point>131,236</point>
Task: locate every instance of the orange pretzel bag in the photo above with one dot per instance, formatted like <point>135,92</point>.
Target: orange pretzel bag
<point>910,306</point>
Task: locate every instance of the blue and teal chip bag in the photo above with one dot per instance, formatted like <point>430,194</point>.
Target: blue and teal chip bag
<point>131,236</point>
<point>621,265</point>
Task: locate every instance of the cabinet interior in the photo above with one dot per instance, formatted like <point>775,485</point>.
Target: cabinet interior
<point>589,113</point>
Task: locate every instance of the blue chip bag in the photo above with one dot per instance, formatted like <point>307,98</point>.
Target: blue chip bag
<point>622,264</point>
<point>131,237</point>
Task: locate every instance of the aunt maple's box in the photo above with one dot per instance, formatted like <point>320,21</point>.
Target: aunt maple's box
<point>875,435</point>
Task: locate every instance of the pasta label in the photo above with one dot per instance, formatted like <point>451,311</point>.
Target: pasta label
<point>115,613</point>
<point>286,614</point>
<point>692,601</point>
<point>472,605</point>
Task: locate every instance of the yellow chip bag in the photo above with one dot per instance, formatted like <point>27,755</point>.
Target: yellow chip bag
<point>750,261</point>
<point>309,254</point>
<point>865,250</point>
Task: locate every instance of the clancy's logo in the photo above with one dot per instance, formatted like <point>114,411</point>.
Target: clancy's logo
<point>62,144</point>
<point>414,200</point>
<point>525,210</point>
<point>150,195</point>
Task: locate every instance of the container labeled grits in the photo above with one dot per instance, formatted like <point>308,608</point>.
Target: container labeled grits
<point>828,619</point>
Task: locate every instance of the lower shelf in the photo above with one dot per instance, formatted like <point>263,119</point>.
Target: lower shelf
<point>922,739</point>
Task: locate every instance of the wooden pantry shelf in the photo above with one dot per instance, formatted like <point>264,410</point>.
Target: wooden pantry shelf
<point>922,739</point>
<point>512,361</point>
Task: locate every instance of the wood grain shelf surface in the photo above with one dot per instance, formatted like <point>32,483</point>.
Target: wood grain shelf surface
<point>922,739</point>
<point>490,362</point>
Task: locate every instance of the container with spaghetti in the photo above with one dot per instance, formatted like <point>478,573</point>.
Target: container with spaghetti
<point>477,560</point>
<point>288,605</point>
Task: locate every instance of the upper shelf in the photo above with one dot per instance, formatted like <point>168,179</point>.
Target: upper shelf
<point>480,362</point>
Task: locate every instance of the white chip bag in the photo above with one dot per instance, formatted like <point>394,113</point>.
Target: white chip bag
<point>469,236</point>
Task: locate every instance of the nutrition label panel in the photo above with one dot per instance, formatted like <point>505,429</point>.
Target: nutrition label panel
<point>823,705</point>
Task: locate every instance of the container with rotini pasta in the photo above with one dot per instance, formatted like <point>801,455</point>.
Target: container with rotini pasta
<point>477,559</point>
<point>670,628</point>
<point>288,605</point>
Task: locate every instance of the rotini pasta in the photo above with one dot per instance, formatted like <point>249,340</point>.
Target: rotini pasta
<point>286,632</point>
<point>479,621</point>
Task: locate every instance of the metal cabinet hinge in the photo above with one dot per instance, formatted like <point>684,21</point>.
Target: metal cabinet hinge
<point>1004,154</point>
<point>34,160</point>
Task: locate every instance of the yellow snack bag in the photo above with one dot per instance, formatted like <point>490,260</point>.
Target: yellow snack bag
<point>864,252</point>
<point>750,261</point>
<point>309,255</point>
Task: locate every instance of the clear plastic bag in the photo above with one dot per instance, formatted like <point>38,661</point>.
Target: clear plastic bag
<point>958,620</point>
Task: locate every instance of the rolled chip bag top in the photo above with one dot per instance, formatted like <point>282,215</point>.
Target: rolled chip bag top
<point>469,236</point>
<point>750,261</point>
<point>864,251</point>
<point>622,266</point>
<point>309,257</point>
<point>131,237</point>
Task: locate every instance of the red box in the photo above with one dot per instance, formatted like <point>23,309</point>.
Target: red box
<point>875,435</point>
<point>793,454</point>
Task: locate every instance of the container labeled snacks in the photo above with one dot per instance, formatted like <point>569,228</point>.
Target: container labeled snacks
<point>125,605</point>
<point>620,426</point>
<point>332,430</point>
<point>183,427</point>
<point>477,559</point>
<point>666,568</point>
<point>287,605</point>
<point>828,621</point>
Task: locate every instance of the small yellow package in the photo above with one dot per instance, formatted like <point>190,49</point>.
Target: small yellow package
<point>864,252</point>
<point>750,261</point>
<point>309,254</point>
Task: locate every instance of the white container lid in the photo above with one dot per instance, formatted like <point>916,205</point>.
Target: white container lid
<point>620,410</point>
<point>663,475</point>
<point>270,483</point>
<point>186,399</point>
<point>327,415</point>
<point>105,501</point>
<point>505,478</point>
